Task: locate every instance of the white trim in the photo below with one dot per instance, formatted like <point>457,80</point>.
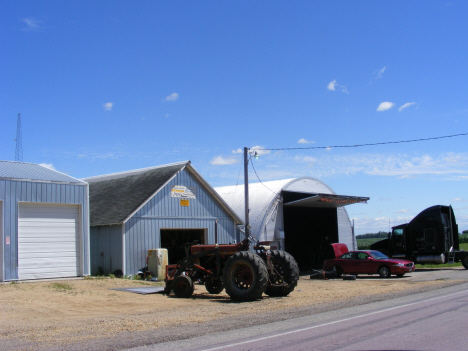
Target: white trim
<point>88,235</point>
<point>81,242</point>
<point>124,263</point>
<point>152,195</point>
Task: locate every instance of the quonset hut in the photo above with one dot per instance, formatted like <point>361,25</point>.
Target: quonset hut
<point>302,216</point>
<point>169,206</point>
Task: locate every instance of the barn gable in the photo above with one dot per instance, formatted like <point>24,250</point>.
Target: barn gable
<point>179,205</point>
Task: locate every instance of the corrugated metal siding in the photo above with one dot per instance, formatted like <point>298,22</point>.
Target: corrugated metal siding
<point>2,240</point>
<point>12,192</point>
<point>106,249</point>
<point>142,231</point>
<point>345,234</point>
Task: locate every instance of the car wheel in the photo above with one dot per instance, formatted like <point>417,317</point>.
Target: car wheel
<point>338,270</point>
<point>384,272</point>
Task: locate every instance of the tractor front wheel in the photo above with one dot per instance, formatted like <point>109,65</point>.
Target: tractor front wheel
<point>285,274</point>
<point>245,276</point>
<point>183,286</point>
<point>214,286</point>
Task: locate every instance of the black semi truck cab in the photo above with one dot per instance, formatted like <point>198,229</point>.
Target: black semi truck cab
<point>430,237</point>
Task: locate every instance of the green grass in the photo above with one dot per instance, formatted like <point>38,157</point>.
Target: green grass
<point>364,244</point>
<point>61,286</point>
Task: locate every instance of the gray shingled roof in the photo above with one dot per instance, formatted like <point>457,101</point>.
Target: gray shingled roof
<point>32,171</point>
<point>114,197</point>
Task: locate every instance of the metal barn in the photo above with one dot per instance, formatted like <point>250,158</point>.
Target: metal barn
<point>302,216</point>
<point>44,223</point>
<point>169,206</point>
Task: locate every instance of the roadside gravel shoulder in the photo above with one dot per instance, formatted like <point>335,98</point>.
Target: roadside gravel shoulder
<point>87,314</point>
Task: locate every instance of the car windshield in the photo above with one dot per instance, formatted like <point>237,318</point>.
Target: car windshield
<point>378,255</point>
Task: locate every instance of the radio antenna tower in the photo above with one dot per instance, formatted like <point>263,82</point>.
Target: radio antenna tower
<point>19,140</point>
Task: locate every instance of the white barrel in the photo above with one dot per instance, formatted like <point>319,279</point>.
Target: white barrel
<point>157,262</point>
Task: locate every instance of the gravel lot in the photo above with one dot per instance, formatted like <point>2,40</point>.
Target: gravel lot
<point>86,314</point>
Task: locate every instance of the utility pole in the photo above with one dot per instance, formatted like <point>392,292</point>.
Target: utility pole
<point>246,191</point>
<point>19,140</point>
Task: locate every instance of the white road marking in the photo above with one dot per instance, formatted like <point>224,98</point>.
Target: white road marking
<point>329,323</point>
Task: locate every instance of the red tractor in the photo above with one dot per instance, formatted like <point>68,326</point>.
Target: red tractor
<point>245,275</point>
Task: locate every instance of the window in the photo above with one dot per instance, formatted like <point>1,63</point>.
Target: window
<point>362,256</point>
<point>349,256</point>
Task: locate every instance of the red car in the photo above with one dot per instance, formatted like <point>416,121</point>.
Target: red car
<point>368,262</point>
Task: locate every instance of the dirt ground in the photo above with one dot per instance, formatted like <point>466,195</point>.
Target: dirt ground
<point>60,314</point>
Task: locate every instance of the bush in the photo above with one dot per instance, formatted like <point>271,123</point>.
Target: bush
<point>463,238</point>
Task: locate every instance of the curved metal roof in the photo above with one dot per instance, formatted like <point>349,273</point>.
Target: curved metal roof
<point>263,198</point>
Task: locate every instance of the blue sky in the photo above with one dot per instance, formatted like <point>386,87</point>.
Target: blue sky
<point>110,86</point>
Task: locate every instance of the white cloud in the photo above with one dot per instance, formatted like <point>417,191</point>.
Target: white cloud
<point>223,161</point>
<point>305,141</point>
<point>48,165</point>
<point>457,200</point>
<point>259,151</point>
<point>408,104</point>
<point>306,159</point>
<point>108,106</point>
<point>332,85</point>
<point>238,151</point>
<point>366,225</point>
<point>384,106</point>
<point>451,166</point>
<point>380,72</point>
<point>403,211</point>
<point>32,24</point>
<point>172,97</point>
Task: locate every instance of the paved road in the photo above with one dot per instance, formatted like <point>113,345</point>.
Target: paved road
<point>433,320</point>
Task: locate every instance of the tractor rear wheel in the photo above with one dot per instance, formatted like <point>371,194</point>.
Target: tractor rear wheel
<point>214,286</point>
<point>183,286</point>
<point>285,274</point>
<point>245,276</point>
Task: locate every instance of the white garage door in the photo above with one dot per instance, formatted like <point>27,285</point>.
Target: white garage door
<point>48,241</point>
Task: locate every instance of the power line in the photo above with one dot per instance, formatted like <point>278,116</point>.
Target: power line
<point>255,171</point>
<point>361,145</point>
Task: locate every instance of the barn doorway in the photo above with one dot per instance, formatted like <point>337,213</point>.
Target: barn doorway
<point>178,242</point>
<point>308,234</point>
